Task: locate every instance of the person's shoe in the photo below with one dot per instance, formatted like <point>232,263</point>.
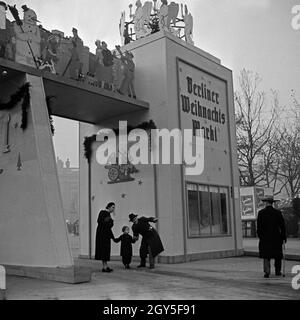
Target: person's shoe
<point>109,269</point>
<point>152,267</point>
<point>278,274</point>
<point>267,275</point>
<point>141,266</point>
<point>127,266</point>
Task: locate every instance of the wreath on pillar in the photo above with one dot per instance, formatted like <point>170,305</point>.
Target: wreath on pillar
<point>23,93</point>
<point>49,107</point>
<point>88,141</point>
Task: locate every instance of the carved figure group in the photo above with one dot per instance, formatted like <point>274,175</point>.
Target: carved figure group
<point>165,18</point>
<point>26,42</point>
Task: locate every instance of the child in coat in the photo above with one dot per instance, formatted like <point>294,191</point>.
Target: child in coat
<point>126,246</point>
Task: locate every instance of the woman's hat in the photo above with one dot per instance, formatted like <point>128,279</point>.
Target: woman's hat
<point>132,217</point>
<point>269,199</point>
<point>3,4</point>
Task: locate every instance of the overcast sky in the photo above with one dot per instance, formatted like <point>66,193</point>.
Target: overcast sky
<point>252,34</point>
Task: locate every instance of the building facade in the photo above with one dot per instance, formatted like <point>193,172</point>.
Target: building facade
<point>199,215</point>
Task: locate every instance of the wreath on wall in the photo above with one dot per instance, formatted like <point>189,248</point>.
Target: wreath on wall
<point>49,102</point>
<point>23,93</point>
<point>88,141</point>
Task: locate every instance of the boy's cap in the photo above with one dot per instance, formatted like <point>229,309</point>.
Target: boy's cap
<point>124,228</point>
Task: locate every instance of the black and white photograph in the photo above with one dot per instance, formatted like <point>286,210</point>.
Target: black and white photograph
<point>149,153</point>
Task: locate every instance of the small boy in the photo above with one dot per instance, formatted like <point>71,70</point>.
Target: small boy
<point>126,246</point>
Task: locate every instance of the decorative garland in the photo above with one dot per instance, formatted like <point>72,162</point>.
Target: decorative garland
<point>22,93</point>
<point>48,102</point>
<point>87,144</point>
<point>88,141</point>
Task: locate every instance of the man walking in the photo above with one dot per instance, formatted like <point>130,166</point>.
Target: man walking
<point>272,234</point>
<point>151,242</point>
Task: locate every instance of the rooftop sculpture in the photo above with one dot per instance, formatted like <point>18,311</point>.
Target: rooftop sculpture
<point>149,19</point>
<point>26,42</point>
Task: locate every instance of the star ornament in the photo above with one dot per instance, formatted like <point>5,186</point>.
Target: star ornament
<point>140,182</point>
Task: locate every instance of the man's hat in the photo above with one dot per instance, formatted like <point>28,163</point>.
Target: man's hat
<point>269,199</point>
<point>25,8</point>
<point>132,217</point>
<point>3,4</point>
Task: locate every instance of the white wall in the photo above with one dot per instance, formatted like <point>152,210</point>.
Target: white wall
<point>32,224</point>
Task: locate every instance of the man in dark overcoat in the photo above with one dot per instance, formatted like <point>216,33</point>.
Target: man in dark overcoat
<point>271,232</point>
<point>151,242</point>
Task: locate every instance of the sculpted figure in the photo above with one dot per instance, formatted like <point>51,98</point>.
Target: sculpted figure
<point>141,19</point>
<point>173,10</point>
<point>118,72</point>
<point>163,16</point>
<point>76,63</point>
<point>104,65</point>
<point>127,85</point>
<point>188,20</point>
<point>124,32</point>
<point>50,53</point>
<point>122,27</point>
<point>28,38</point>
<point>99,70</point>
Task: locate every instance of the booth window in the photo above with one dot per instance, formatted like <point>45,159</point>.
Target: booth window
<point>207,210</point>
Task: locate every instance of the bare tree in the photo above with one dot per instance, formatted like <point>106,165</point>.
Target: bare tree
<point>256,136</point>
<point>288,153</point>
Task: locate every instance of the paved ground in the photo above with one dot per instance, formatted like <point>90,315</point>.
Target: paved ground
<point>232,278</point>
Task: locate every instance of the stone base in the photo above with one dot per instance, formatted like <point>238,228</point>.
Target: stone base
<point>200,256</point>
<point>72,274</point>
<point>2,294</point>
<point>190,257</point>
<point>290,257</point>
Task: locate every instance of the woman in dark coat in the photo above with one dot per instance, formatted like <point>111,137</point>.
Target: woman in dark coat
<point>151,242</point>
<point>272,234</point>
<point>104,235</point>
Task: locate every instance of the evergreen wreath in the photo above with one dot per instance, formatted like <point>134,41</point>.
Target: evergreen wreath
<point>22,93</point>
<point>88,141</point>
<point>48,102</point>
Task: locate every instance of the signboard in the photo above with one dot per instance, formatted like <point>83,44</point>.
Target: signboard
<point>251,201</point>
<point>203,105</point>
<point>248,210</point>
